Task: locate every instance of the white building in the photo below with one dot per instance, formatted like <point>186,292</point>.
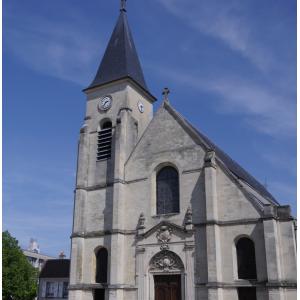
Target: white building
<point>160,211</point>
<point>34,256</point>
<point>54,280</point>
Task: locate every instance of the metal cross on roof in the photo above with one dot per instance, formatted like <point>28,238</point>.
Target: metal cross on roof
<point>123,5</point>
<point>166,93</point>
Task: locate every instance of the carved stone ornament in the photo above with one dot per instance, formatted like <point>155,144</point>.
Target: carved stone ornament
<point>166,261</point>
<point>164,247</point>
<point>210,159</point>
<point>188,216</point>
<point>141,222</point>
<point>164,234</point>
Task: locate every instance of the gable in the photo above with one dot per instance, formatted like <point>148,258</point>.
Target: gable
<point>164,141</point>
<point>169,138</point>
<point>232,167</point>
<point>164,232</point>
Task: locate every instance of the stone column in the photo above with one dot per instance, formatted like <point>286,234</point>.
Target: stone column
<point>272,245</point>
<point>275,294</point>
<point>83,156</point>
<point>81,181</point>
<point>215,294</point>
<point>140,276</point>
<point>272,250</point>
<point>117,262</point>
<point>77,256</point>
<point>214,262</point>
<point>190,284</point>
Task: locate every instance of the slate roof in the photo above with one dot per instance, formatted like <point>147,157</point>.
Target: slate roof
<point>120,59</point>
<point>232,166</point>
<point>237,170</point>
<point>56,268</point>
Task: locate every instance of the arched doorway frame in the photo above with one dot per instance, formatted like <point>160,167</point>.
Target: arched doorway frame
<point>165,263</point>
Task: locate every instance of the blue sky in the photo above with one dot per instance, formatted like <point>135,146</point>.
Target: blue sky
<point>230,66</point>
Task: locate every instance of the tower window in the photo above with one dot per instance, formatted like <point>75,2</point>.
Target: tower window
<point>247,293</point>
<point>246,259</point>
<point>101,265</point>
<point>99,294</point>
<point>167,191</point>
<point>104,141</point>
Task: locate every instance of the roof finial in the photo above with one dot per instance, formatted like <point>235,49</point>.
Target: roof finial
<point>166,93</point>
<point>123,5</point>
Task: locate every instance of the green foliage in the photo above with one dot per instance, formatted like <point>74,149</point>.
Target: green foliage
<point>19,277</point>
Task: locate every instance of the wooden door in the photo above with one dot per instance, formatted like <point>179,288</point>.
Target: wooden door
<point>167,287</point>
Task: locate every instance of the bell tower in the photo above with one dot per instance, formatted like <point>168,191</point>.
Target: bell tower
<point>118,110</point>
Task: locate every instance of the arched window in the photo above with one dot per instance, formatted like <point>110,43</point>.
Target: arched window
<point>245,251</point>
<point>101,265</point>
<point>104,141</point>
<point>167,191</point>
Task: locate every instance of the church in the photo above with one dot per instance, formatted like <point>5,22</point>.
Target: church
<point>160,211</point>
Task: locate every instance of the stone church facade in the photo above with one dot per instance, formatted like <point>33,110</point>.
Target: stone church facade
<point>162,213</point>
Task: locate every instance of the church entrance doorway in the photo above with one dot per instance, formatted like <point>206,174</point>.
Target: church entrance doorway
<point>167,287</point>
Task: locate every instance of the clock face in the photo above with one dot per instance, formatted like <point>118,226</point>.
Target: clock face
<point>141,106</point>
<point>105,103</point>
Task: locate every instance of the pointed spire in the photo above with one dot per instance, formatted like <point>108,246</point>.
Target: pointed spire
<point>120,59</point>
<point>123,5</point>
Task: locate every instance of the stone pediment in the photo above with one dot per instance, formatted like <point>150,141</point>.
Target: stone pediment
<point>158,226</point>
<point>165,232</point>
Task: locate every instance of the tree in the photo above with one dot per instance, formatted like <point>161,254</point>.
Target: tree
<point>19,281</point>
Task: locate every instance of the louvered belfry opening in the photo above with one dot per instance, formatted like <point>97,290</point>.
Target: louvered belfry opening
<point>104,141</point>
<point>167,191</point>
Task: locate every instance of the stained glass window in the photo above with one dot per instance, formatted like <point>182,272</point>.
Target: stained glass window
<point>167,191</point>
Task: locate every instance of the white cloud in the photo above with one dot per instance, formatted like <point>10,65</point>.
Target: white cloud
<point>287,192</point>
<point>267,105</point>
<point>53,48</point>
<point>281,161</point>
<point>225,21</point>
<point>264,109</point>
